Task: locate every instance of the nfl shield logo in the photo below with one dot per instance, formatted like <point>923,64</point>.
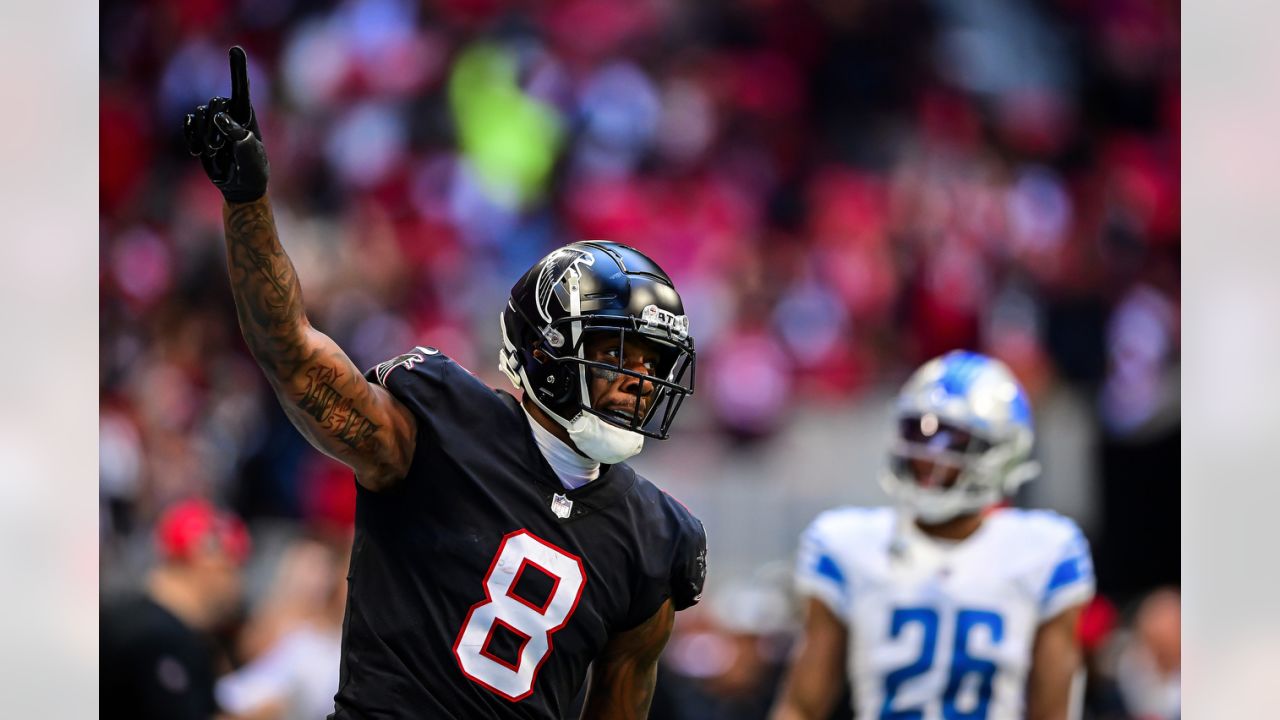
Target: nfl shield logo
<point>561,505</point>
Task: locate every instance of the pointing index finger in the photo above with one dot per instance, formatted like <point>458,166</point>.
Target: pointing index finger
<point>239,84</point>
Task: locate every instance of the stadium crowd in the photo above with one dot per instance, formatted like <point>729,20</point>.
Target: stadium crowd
<point>839,189</point>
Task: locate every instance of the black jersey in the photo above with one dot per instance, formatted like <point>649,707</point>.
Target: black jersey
<point>479,586</point>
<point>152,664</point>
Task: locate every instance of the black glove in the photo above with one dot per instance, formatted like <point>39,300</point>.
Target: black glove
<point>224,135</point>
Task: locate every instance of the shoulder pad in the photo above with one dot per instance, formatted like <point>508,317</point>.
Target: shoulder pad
<point>439,392</point>
<point>1057,554</point>
<point>852,526</point>
<point>1038,530</point>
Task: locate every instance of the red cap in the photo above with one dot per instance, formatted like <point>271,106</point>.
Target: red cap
<point>1096,623</point>
<point>186,525</point>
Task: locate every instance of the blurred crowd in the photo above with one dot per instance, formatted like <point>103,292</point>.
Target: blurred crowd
<point>840,189</point>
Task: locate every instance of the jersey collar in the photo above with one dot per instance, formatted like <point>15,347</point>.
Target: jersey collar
<point>615,481</point>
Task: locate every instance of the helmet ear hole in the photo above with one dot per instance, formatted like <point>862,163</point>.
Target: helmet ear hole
<point>556,388</point>
<point>554,382</point>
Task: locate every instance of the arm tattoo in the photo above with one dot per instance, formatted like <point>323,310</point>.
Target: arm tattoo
<point>268,296</point>
<point>316,384</point>
<point>334,411</point>
<point>320,389</point>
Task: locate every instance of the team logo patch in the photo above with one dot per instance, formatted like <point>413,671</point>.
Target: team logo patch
<point>701,565</point>
<point>561,506</point>
<point>406,361</point>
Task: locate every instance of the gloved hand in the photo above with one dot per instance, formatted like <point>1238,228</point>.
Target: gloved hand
<point>224,135</point>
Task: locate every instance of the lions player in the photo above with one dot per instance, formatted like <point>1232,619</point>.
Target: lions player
<point>945,608</point>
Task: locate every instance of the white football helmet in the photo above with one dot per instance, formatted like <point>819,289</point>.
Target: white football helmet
<point>964,437</point>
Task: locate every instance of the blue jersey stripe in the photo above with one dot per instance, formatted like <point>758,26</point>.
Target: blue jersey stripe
<point>827,568</point>
<point>1071,570</point>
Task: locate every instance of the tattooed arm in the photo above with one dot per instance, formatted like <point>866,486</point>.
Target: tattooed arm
<point>324,395</point>
<point>623,677</point>
<point>322,392</point>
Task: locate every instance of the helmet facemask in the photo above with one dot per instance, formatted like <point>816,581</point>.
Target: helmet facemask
<point>561,367</point>
<point>934,464</point>
<point>964,421</point>
<point>581,315</point>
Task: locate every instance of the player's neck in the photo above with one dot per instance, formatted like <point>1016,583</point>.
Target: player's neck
<point>957,528</point>
<point>572,467</point>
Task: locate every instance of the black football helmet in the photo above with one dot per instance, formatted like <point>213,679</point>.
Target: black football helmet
<point>577,292</point>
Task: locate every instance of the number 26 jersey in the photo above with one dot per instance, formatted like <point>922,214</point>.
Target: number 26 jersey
<point>479,586</point>
<point>943,630</point>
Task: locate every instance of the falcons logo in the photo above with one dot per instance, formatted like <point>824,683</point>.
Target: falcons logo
<point>406,361</point>
<point>556,266</point>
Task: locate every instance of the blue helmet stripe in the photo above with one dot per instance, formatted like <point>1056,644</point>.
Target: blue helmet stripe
<point>1020,408</point>
<point>960,370</point>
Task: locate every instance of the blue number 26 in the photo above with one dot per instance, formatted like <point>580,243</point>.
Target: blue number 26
<point>962,663</point>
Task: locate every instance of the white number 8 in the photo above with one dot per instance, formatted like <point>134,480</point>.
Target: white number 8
<point>534,625</point>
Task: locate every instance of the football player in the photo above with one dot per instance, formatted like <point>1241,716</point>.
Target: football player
<point>945,607</point>
<point>502,545</point>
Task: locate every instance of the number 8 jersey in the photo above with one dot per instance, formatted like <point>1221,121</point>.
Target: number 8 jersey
<point>479,586</point>
<point>942,631</point>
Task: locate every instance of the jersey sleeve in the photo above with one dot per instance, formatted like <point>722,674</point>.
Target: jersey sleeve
<point>416,378</point>
<point>689,571</point>
<point>818,571</point>
<point>673,564</point>
<point>1069,580</point>
<point>444,397</point>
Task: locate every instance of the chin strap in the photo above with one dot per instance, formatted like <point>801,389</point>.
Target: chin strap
<point>592,436</point>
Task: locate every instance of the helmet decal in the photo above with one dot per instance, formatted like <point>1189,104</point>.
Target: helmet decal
<point>959,372</point>
<point>554,268</point>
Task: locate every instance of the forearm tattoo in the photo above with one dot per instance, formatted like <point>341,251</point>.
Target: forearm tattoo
<point>268,296</point>
<point>314,382</point>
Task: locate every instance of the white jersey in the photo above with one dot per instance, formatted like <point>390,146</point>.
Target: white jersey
<point>942,631</point>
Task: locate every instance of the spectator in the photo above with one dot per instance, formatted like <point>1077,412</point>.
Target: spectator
<point>156,654</point>
<point>1148,666</point>
<point>293,639</point>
